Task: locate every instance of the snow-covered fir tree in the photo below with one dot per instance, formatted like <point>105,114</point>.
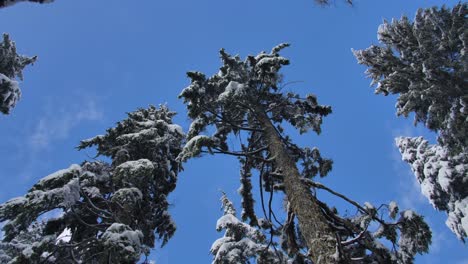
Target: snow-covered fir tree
<point>443,179</point>
<point>111,213</point>
<point>244,99</point>
<point>425,63</point>
<point>6,3</point>
<point>242,242</point>
<point>11,67</point>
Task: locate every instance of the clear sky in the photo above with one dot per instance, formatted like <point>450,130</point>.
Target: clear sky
<point>101,59</point>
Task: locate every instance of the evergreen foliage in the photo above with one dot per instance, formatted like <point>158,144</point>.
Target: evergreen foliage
<point>241,242</point>
<point>11,67</point>
<point>244,99</point>
<point>6,3</point>
<point>443,179</point>
<point>113,212</point>
<point>425,63</point>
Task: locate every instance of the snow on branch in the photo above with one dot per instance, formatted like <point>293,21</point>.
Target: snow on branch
<point>6,3</point>
<point>113,212</point>
<point>11,67</point>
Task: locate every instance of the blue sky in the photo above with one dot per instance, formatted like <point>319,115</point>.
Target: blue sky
<point>101,59</point>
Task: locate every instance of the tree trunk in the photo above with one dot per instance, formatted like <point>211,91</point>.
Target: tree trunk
<point>317,234</point>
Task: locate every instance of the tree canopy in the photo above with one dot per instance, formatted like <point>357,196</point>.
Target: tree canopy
<point>424,62</point>
<point>244,99</point>
<point>114,207</point>
<point>111,212</point>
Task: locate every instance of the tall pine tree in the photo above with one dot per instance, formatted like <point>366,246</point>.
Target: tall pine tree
<point>244,99</point>
<point>425,63</point>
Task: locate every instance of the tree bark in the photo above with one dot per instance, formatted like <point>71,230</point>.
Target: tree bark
<point>314,227</point>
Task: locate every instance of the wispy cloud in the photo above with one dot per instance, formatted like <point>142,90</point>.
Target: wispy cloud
<point>439,241</point>
<point>56,124</point>
<point>39,138</point>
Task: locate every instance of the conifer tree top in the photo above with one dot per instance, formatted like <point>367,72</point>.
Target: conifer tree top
<point>112,212</point>
<point>425,63</point>
<point>11,67</point>
<point>244,99</point>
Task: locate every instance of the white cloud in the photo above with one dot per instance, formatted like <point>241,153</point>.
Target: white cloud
<point>439,241</point>
<point>49,126</point>
<point>56,124</point>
